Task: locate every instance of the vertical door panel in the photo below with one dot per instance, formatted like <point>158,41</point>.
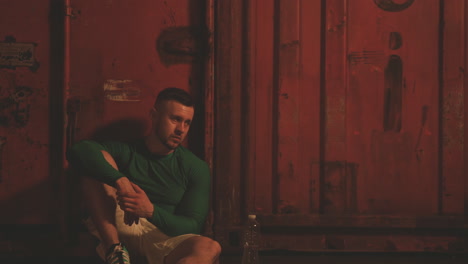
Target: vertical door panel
<point>284,108</point>
<point>334,183</point>
<point>261,122</point>
<point>351,125</point>
<point>392,107</point>
<point>229,143</point>
<point>27,193</point>
<point>297,107</point>
<point>453,111</point>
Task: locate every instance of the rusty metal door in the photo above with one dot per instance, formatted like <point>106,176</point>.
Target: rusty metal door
<point>349,119</point>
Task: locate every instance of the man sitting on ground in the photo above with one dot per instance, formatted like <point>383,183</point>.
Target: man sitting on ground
<point>150,197</point>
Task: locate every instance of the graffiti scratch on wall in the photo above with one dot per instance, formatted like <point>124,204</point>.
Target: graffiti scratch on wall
<point>14,110</point>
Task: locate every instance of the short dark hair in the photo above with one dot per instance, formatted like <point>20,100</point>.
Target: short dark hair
<point>176,94</point>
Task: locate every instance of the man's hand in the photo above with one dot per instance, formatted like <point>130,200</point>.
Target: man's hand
<point>136,203</point>
<point>124,187</point>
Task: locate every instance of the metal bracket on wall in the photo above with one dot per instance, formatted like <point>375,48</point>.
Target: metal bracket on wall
<point>69,11</point>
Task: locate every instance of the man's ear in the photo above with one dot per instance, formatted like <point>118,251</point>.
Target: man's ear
<point>153,112</point>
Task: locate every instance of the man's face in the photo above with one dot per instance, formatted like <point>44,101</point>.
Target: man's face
<point>171,123</point>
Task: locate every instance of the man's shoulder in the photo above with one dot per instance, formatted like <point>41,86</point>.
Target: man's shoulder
<point>130,145</point>
<point>188,158</point>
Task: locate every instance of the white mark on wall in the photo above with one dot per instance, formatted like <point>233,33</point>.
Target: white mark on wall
<point>122,90</point>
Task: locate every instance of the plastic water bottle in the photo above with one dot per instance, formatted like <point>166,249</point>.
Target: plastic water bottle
<point>251,241</point>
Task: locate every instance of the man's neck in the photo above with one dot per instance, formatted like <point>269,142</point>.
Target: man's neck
<point>156,147</point>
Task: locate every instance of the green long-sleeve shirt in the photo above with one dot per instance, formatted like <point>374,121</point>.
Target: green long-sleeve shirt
<point>178,184</point>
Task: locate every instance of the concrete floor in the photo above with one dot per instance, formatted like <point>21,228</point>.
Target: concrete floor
<point>361,258</point>
<point>39,248</point>
<point>317,258</point>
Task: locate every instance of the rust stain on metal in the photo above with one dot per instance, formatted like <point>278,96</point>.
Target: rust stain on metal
<point>395,41</point>
<point>392,6</point>
<point>337,26</point>
<point>366,57</point>
<point>290,44</point>
<point>177,45</point>
<point>291,171</point>
<point>339,187</point>
<point>453,111</point>
<point>170,14</point>
<point>420,152</point>
<point>393,94</point>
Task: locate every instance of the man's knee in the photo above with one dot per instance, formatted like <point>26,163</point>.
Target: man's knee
<point>215,247</point>
<point>207,245</point>
<point>198,247</point>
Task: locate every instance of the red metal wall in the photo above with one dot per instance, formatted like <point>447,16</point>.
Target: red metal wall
<point>28,91</point>
<point>345,124</point>
<point>340,123</point>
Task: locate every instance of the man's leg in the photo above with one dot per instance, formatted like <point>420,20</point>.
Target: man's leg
<point>101,203</point>
<point>194,250</point>
<point>101,207</point>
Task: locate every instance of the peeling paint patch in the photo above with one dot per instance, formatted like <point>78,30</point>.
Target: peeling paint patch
<point>122,90</point>
<point>17,54</point>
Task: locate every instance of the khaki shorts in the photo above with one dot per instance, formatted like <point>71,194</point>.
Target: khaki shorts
<point>143,240</point>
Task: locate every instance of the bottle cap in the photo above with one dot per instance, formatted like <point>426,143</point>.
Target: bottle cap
<point>252,216</point>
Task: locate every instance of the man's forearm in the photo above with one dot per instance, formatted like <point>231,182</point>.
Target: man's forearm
<point>123,185</point>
